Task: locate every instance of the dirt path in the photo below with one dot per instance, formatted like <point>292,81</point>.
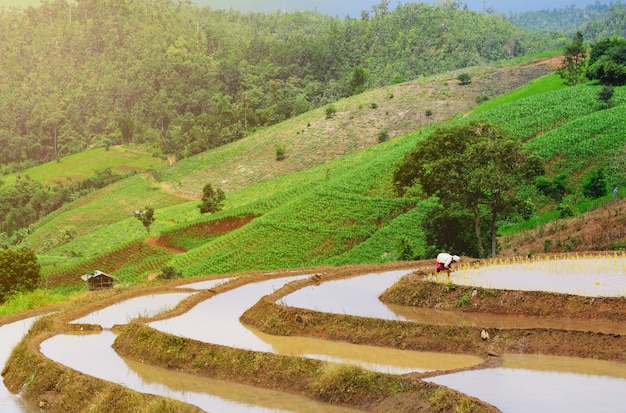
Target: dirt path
<point>155,242</point>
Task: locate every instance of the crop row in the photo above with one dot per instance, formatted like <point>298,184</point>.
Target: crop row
<point>133,254</point>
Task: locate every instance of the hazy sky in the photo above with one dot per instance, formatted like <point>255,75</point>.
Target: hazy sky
<point>353,8</point>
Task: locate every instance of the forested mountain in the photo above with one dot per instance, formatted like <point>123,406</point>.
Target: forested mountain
<point>597,21</point>
<point>92,73</point>
<point>613,24</point>
<point>563,19</point>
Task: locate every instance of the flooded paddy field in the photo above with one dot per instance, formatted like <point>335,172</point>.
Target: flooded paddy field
<point>560,383</point>
<point>587,276</point>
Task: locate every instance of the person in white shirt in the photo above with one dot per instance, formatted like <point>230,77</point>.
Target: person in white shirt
<point>444,262</point>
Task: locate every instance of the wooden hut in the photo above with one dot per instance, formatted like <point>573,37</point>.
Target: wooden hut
<point>99,280</point>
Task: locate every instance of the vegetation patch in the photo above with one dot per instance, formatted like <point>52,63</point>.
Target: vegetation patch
<point>128,263</point>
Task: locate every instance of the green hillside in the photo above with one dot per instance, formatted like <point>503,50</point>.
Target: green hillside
<point>79,166</point>
<point>337,212</point>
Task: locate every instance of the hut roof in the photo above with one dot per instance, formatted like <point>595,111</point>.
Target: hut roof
<point>96,273</point>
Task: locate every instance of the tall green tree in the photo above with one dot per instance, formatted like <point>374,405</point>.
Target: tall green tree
<point>474,165</point>
<point>357,81</point>
<point>19,271</point>
<point>146,217</point>
<point>607,61</point>
<point>573,66</point>
<point>212,199</point>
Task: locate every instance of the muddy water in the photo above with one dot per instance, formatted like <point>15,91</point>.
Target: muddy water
<point>391,361</point>
<point>217,321</point>
<point>10,336</point>
<point>594,277</point>
<point>525,383</point>
<point>456,318</point>
<point>359,296</point>
<point>355,296</point>
<point>545,384</point>
<point>92,354</point>
<point>124,311</point>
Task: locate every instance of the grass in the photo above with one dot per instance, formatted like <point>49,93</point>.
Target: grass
<point>542,85</point>
<point>108,210</point>
<point>551,217</point>
<point>77,167</point>
<point>19,4</point>
<point>35,299</point>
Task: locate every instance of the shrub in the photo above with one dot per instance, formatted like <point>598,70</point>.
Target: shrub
<point>280,152</point>
<point>566,208</point>
<point>555,189</point>
<point>405,247</point>
<point>465,299</point>
<point>464,78</point>
<point>547,245</point>
<point>330,111</point>
<point>170,273</point>
<point>605,95</point>
<point>595,184</point>
<point>617,245</point>
<point>383,136</point>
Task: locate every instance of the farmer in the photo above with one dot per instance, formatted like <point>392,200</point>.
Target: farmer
<point>444,262</point>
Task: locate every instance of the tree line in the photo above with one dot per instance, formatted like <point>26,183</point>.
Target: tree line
<point>185,79</point>
<point>27,200</point>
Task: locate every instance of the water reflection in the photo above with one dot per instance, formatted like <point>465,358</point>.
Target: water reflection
<point>10,336</point>
<point>381,359</point>
<point>519,385</point>
<point>206,285</point>
<point>355,296</point>
<point>457,318</point>
<point>594,277</point>
<point>217,321</point>
<point>525,382</point>
<point>515,390</point>
<point>124,311</point>
<point>92,354</point>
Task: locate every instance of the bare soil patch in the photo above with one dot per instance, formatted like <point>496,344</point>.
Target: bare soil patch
<point>202,231</point>
<point>601,229</point>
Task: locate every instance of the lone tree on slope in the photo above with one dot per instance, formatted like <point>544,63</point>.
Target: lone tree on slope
<point>212,199</point>
<point>146,217</point>
<point>475,166</point>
